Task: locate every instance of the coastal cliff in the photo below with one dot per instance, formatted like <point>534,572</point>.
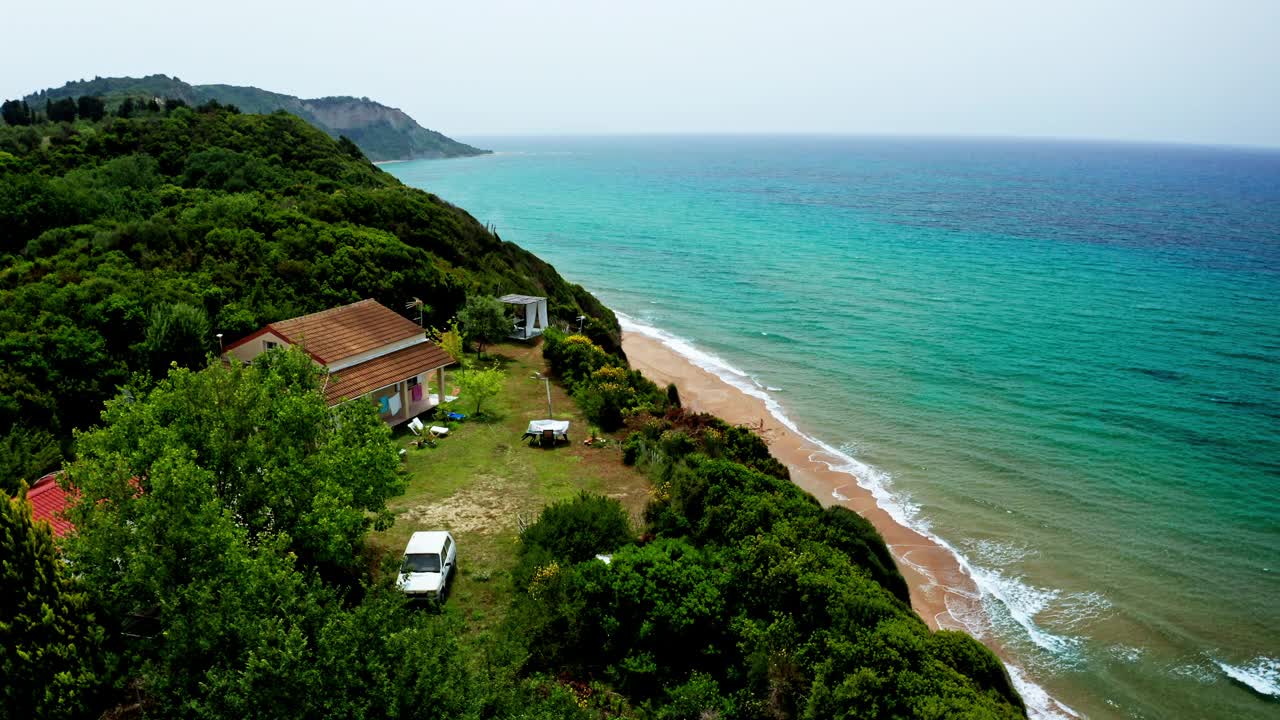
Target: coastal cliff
<point>135,241</point>
<point>383,133</point>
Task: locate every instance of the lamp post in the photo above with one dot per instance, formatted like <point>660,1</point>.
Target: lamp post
<point>219,343</point>
<point>547,381</point>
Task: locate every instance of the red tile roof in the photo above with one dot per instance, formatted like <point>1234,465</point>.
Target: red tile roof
<point>382,371</point>
<point>47,503</point>
<point>341,332</point>
<point>337,333</point>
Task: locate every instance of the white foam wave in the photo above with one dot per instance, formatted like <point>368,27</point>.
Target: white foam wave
<point>1127,653</point>
<point>1040,704</point>
<point>1000,554</point>
<point>1018,599</point>
<point>1262,674</point>
<point>1195,671</point>
<point>1074,611</point>
<point>1021,602</point>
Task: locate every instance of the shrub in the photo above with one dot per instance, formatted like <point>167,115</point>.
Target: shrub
<point>572,358</point>
<point>853,534</point>
<point>972,659</point>
<point>576,530</point>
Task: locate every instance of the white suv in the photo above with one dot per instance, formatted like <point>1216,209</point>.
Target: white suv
<point>429,560</point>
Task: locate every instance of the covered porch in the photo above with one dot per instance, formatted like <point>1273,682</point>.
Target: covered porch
<point>397,383</point>
<point>402,401</point>
<point>531,316</point>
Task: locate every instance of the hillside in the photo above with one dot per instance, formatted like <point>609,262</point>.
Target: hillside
<point>127,244</point>
<point>382,132</point>
<point>221,564</point>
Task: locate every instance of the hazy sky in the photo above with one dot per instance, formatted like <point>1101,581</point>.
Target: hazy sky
<point>1205,71</point>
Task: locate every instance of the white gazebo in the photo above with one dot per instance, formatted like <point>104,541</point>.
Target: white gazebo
<point>531,319</point>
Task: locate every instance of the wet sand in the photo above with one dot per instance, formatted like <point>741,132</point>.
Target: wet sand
<point>941,591</point>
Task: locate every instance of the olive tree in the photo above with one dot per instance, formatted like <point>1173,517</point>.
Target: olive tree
<point>484,321</point>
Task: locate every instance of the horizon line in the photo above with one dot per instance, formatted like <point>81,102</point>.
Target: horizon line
<point>863,134</point>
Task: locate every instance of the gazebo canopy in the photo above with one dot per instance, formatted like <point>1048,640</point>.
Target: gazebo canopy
<point>520,299</point>
<point>534,319</point>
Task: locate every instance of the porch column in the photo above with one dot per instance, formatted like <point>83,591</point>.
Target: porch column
<point>440,383</point>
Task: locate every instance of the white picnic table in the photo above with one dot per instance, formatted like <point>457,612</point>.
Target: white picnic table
<point>559,429</point>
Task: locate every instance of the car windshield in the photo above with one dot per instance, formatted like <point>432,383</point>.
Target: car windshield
<point>421,563</point>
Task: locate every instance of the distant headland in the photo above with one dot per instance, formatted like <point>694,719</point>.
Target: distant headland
<point>382,132</point>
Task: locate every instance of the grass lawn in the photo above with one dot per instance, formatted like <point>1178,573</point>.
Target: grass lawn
<point>481,479</point>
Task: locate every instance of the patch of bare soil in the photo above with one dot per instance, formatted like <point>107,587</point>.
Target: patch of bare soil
<point>484,506</point>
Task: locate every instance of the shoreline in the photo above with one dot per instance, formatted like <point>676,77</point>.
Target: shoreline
<point>942,591</point>
<point>936,580</point>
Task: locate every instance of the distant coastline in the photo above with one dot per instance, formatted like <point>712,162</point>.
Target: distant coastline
<point>382,133</point>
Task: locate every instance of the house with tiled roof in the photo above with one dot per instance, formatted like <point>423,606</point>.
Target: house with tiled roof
<point>48,500</point>
<point>369,351</point>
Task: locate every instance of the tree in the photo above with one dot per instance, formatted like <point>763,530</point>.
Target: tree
<point>91,108</point>
<point>451,342</point>
<point>275,455</point>
<point>349,148</point>
<point>484,321</point>
<point>25,454</point>
<point>16,112</point>
<point>479,384</point>
<point>177,332</point>
<point>126,108</point>
<point>63,110</point>
<point>206,507</point>
<point>50,645</point>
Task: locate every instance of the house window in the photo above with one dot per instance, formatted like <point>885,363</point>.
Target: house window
<point>268,345</point>
<point>413,381</point>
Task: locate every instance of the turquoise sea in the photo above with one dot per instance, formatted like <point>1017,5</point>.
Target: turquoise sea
<point>1060,359</point>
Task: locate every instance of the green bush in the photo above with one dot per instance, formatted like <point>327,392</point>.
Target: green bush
<point>572,358</point>
<point>853,534</point>
<point>51,647</point>
<point>972,659</point>
<point>572,531</point>
<point>605,390</point>
<point>698,698</point>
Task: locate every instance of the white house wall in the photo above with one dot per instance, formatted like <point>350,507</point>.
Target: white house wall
<point>255,347</point>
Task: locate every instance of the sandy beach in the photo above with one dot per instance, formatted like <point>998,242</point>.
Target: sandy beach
<point>941,591</point>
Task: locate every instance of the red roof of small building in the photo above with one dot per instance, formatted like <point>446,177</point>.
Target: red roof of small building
<point>48,500</point>
<point>341,332</point>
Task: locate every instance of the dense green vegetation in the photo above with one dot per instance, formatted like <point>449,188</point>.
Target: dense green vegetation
<point>221,518</point>
<point>127,244</point>
<point>221,564</point>
<point>383,133</point>
<point>601,383</point>
<point>51,655</point>
<point>222,571</point>
<point>740,596</point>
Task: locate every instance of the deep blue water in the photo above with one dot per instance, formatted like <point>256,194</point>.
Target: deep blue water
<point>1061,359</point>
